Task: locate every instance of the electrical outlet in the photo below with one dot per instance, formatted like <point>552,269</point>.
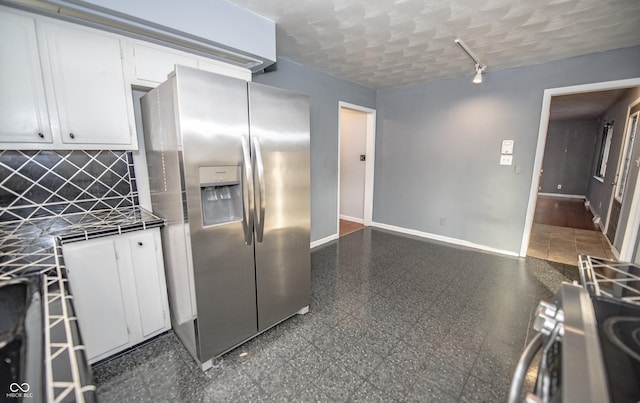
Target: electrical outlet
<point>443,221</point>
<point>559,186</point>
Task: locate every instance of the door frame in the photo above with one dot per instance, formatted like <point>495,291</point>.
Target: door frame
<point>542,137</point>
<point>370,151</point>
<point>624,150</point>
<point>630,235</point>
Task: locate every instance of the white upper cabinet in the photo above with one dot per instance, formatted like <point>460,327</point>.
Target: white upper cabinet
<point>61,86</point>
<point>149,64</point>
<point>23,107</point>
<point>88,85</point>
<point>224,69</point>
<point>67,86</point>
<point>152,64</point>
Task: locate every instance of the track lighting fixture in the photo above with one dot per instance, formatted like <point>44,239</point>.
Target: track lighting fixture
<point>477,79</point>
<point>480,68</point>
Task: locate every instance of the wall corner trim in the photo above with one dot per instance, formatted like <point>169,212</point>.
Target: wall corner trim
<point>595,214</point>
<point>446,239</point>
<point>322,241</point>
<point>352,219</point>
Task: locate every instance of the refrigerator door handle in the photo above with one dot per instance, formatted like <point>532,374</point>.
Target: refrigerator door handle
<point>259,212</point>
<point>247,202</point>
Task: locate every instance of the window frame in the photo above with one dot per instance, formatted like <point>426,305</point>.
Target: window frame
<point>603,153</point>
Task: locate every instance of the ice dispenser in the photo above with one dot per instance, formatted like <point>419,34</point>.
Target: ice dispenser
<point>221,194</point>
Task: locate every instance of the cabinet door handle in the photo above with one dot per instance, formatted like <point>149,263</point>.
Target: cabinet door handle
<point>139,243</point>
<point>73,136</point>
<point>41,135</point>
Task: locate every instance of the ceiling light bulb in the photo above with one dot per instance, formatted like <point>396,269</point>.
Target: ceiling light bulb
<point>477,79</point>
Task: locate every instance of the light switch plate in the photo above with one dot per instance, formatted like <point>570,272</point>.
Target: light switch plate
<point>507,147</point>
<point>506,159</point>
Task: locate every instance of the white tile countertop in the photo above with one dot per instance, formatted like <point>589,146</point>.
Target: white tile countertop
<point>35,247</point>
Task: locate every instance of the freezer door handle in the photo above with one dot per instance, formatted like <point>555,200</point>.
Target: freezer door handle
<point>260,193</point>
<point>247,201</point>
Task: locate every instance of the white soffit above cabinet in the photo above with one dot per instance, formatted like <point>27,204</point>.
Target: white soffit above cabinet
<point>389,43</point>
<point>212,28</point>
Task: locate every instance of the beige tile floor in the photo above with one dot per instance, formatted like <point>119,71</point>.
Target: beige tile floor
<point>563,245</point>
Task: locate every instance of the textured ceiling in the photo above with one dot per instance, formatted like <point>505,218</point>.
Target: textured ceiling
<point>389,43</point>
<point>587,105</point>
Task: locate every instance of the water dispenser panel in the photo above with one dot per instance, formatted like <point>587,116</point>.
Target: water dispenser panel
<point>219,175</point>
<point>220,194</point>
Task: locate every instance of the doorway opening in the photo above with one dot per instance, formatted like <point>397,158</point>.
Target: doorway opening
<point>558,195</point>
<point>563,228</point>
<point>356,154</point>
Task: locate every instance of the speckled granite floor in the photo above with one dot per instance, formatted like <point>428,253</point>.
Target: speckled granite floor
<point>393,318</point>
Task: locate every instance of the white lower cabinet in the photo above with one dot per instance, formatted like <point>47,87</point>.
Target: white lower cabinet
<point>119,290</point>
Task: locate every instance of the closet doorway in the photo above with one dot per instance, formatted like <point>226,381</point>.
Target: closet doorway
<point>356,153</point>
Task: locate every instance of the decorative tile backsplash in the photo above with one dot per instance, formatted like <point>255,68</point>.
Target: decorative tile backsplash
<point>49,183</point>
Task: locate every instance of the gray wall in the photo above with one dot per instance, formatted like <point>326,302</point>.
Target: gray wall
<point>325,93</point>
<point>567,156</point>
<point>438,147</point>
<point>599,193</point>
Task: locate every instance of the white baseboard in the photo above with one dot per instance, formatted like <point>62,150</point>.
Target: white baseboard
<point>615,252</point>
<point>563,196</point>
<point>442,238</point>
<point>353,219</point>
<point>595,214</point>
<point>315,244</point>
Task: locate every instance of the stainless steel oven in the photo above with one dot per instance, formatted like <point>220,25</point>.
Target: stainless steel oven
<point>587,340</point>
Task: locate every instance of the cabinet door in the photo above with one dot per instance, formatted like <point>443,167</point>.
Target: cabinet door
<point>224,69</point>
<point>149,281</point>
<point>154,65</point>
<point>98,299</point>
<point>88,83</point>
<point>23,108</point>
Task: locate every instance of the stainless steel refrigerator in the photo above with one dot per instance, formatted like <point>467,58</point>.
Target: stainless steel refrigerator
<point>229,171</point>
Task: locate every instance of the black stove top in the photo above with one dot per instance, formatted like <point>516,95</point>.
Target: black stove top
<point>618,325</point>
<point>614,288</point>
<point>624,332</point>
